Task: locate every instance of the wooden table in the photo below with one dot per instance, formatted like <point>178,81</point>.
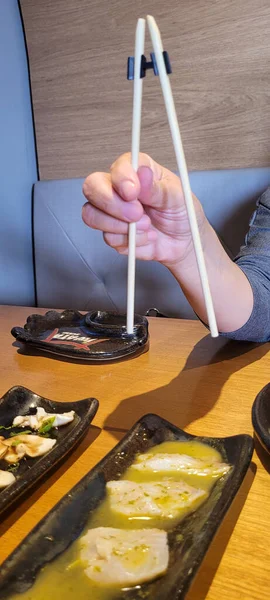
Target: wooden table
<point>202,385</point>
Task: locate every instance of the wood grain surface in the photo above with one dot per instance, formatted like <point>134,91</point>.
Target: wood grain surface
<point>220,54</point>
<point>202,385</point>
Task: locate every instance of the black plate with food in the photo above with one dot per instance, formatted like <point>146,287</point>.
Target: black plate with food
<point>173,549</point>
<point>36,433</point>
<point>96,336</point>
<point>261,417</point>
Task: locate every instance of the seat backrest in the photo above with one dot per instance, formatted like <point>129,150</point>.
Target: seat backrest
<point>76,269</point>
<point>18,169</point>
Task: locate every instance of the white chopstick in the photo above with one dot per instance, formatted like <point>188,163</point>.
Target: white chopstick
<point>135,149</point>
<point>182,167</point>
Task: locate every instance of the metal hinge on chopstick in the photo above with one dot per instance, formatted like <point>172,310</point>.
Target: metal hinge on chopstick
<point>145,65</point>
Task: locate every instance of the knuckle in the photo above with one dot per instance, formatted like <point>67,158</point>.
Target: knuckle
<point>145,157</point>
<point>110,240</point>
<point>91,184</point>
<point>141,239</point>
<point>146,160</point>
<point>87,186</point>
<point>126,157</point>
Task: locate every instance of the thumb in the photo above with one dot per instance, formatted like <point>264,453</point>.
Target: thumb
<point>154,185</point>
<point>159,188</point>
<point>146,179</point>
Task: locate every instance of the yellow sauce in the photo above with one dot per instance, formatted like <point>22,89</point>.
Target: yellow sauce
<point>65,577</point>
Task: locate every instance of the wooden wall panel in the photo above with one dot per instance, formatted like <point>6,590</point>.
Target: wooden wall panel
<point>220,54</point>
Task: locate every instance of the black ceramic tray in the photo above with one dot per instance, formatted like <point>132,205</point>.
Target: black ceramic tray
<point>197,530</point>
<point>94,337</point>
<point>17,401</point>
<point>261,417</point>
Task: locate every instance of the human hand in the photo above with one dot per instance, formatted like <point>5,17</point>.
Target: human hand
<point>153,198</point>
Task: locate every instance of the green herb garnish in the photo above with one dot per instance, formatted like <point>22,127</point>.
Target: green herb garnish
<point>14,467</point>
<point>16,443</point>
<point>75,564</point>
<point>13,433</point>
<point>46,426</point>
<point>6,428</point>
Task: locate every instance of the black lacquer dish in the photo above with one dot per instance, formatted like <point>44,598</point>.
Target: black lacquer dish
<point>261,417</point>
<point>95,337</point>
<point>21,401</point>
<point>51,536</point>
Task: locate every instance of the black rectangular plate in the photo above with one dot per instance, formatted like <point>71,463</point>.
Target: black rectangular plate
<point>51,536</point>
<point>17,402</point>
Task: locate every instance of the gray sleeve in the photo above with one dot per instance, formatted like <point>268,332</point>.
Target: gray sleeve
<point>254,260</point>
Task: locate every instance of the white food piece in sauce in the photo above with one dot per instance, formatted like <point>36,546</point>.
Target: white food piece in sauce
<point>168,463</point>
<point>6,479</point>
<point>13,454</point>
<point>124,557</point>
<point>31,445</point>
<point>37,420</point>
<point>3,447</point>
<point>166,498</point>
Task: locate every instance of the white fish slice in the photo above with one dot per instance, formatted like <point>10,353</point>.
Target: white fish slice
<point>124,557</point>
<point>14,455</point>
<point>6,478</point>
<point>37,420</point>
<point>169,463</point>
<point>30,445</point>
<point>167,498</point>
<point>3,448</point>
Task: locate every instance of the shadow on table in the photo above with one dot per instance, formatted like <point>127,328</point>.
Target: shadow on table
<point>202,582</point>
<point>194,392</point>
<point>19,507</point>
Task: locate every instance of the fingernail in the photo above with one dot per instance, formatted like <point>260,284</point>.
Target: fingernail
<point>127,188</point>
<point>85,210</point>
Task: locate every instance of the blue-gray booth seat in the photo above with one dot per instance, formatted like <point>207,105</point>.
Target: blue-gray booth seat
<point>76,269</point>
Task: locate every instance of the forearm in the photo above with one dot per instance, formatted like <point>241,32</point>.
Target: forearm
<point>231,291</point>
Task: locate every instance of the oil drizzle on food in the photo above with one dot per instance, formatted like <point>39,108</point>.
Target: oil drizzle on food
<point>66,573</point>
